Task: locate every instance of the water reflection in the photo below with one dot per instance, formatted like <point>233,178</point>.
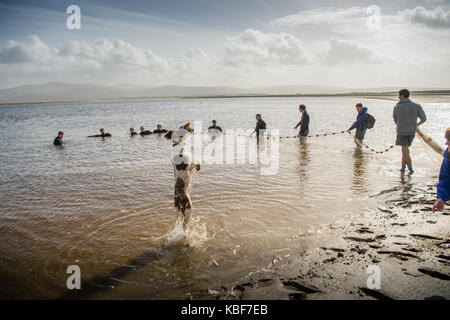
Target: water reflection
<point>359,170</point>
<point>405,181</point>
<point>303,164</point>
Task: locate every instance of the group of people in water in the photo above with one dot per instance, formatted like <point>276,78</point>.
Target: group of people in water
<point>159,129</point>
<point>405,116</point>
<point>58,141</point>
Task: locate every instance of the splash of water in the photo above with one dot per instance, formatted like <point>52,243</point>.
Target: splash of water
<point>194,236</point>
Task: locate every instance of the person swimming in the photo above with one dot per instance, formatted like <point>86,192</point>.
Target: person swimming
<point>102,134</point>
<point>132,132</point>
<point>159,129</point>
<point>58,140</point>
<point>144,132</point>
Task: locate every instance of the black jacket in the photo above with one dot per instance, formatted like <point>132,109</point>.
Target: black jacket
<point>260,125</point>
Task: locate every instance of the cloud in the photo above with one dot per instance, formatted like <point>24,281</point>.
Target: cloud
<point>32,50</point>
<point>114,54</point>
<point>436,18</point>
<point>253,47</point>
<point>349,52</point>
<point>323,15</point>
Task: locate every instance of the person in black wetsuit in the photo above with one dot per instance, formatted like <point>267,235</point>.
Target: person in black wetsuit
<point>260,126</point>
<point>159,129</point>
<point>58,140</point>
<point>144,132</point>
<point>132,132</point>
<point>102,134</point>
<point>304,124</point>
<point>214,126</point>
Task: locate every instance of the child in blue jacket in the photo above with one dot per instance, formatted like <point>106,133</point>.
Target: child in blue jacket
<point>443,187</point>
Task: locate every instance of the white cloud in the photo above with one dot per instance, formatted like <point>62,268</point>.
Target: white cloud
<point>255,47</point>
<point>350,52</point>
<point>435,18</point>
<point>323,15</point>
<point>32,50</point>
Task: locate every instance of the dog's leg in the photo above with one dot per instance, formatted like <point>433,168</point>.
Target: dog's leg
<point>179,198</point>
<point>183,202</point>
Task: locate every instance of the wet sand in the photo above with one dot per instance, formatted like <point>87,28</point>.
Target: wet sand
<point>404,238</point>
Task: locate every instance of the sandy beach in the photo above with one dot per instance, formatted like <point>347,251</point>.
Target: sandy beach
<point>404,238</point>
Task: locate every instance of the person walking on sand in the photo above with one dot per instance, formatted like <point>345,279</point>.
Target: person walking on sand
<point>361,123</point>
<point>260,127</point>
<point>304,124</point>
<point>443,187</point>
<point>405,114</point>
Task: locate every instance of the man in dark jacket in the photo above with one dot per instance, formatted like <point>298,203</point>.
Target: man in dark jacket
<point>443,187</point>
<point>304,124</point>
<point>361,122</point>
<point>260,126</point>
<point>405,115</point>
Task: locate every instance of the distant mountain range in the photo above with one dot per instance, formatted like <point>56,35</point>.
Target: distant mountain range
<point>57,91</point>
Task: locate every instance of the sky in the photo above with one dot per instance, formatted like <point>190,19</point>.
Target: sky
<point>245,43</point>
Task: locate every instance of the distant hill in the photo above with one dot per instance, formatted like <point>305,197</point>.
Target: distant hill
<point>56,91</point>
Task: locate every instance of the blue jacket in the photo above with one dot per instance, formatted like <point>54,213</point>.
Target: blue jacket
<point>361,120</point>
<point>443,187</point>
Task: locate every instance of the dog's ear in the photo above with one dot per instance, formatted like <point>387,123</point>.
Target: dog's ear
<point>168,135</point>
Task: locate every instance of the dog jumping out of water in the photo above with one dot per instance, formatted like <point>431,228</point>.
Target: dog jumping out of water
<point>184,171</point>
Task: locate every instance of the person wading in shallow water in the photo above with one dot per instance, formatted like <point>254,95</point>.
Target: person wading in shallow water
<point>144,132</point>
<point>159,129</point>
<point>406,113</point>
<point>260,126</point>
<point>214,127</point>
<point>443,187</point>
<point>361,122</point>
<point>304,124</point>
<point>58,140</point>
<point>102,134</point>
<point>132,132</point>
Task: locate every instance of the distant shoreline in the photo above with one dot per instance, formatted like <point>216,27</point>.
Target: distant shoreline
<point>420,96</point>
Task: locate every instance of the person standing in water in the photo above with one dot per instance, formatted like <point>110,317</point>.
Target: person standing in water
<point>132,132</point>
<point>405,115</point>
<point>443,187</point>
<point>58,140</point>
<point>304,124</point>
<point>260,126</point>
<point>102,134</point>
<point>361,122</point>
<point>214,127</point>
<point>144,132</point>
<point>159,129</point>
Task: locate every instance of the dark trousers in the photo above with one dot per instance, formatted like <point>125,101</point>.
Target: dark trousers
<point>360,134</point>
